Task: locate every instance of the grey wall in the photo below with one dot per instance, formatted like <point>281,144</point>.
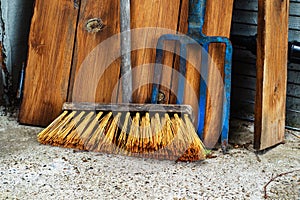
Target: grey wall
<point>244,63</point>
<point>16,16</point>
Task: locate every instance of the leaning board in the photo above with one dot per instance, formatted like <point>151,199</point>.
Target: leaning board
<point>271,67</point>
<point>51,43</point>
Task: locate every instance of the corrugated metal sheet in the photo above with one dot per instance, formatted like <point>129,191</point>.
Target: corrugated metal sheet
<point>244,63</point>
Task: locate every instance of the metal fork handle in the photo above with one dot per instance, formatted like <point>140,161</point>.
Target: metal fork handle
<point>196,14</point>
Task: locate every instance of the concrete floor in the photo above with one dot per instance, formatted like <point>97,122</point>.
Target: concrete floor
<point>29,170</point>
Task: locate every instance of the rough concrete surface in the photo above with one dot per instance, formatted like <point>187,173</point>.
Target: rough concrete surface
<point>29,170</point>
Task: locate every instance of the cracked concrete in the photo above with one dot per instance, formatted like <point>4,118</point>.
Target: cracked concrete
<point>29,170</point>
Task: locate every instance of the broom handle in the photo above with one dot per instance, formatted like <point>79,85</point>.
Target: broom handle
<point>125,51</point>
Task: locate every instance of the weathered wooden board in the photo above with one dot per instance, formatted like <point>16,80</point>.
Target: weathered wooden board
<point>85,84</point>
<point>51,43</point>
<point>192,85</point>
<point>217,23</point>
<point>158,14</point>
<point>271,73</point>
<point>96,67</point>
<point>244,63</point>
<point>171,91</point>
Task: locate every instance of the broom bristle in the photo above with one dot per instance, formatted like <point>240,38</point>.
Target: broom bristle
<point>159,137</point>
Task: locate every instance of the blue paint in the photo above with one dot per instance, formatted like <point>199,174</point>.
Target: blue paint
<point>182,71</point>
<point>203,92</point>
<point>195,35</point>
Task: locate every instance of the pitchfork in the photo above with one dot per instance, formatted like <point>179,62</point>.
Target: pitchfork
<point>196,36</point>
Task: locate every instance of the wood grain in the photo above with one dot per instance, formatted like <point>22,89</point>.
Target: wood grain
<point>217,23</point>
<point>145,14</point>
<point>271,73</point>
<point>182,28</point>
<point>96,63</point>
<point>159,14</point>
<point>51,43</point>
<point>192,85</point>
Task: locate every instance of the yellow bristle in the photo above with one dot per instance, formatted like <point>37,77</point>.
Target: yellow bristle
<point>56,130</point>
<point>75,135</point>
<point>133,137</point>
<point>168,137</point>
<point>123,135</point>
<point>60,138</point>
<point>109,141</point>
<point>95,142</point>
<point>88,132</point>
<point>157,131</point>
<point>142,135</point>
<point>52,126</point>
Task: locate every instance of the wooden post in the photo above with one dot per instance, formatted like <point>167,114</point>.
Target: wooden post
<point>271,82</point>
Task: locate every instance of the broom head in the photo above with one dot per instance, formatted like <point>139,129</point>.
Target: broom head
<point>144,130</point>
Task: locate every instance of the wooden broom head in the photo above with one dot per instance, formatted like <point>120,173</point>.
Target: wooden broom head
<point>142,130</point>
<point>127,107</point>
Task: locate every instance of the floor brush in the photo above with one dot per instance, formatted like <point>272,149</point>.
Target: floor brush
<point>156,131</point>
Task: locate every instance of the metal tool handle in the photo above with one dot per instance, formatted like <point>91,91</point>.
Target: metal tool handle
<point>125,51</point>
<point>196,14</point>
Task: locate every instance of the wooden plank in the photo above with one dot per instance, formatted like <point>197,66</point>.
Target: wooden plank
<point>192,85</point>
<point>294,23</point>
<point>293,104</point>
<point>294,35</point>
<point>243,29</point>
<point>243,55</point>
<point>294,8</point>
<point>246,17</point>
<point>243,109</point>
<point>144,14</point>
<point>217,23</point>
<point>159,14</point>
<point>251,5</point>
<point>247,93</point>
<point>271,73</point>
<point>294,67</point>
<point>241,68</point>
<point>293,119</point>
<point>95,72</point>
<point>294,77</point>
<point>51,43</point>
<point>171,91</point>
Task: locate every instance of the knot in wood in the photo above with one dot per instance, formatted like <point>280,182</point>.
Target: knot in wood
<point>94,25</point>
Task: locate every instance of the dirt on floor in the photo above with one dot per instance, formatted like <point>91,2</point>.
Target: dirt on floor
<point>29,170</point>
